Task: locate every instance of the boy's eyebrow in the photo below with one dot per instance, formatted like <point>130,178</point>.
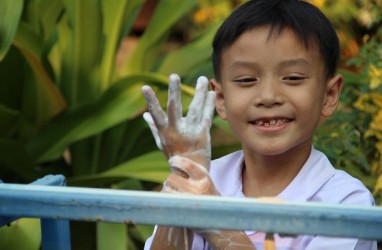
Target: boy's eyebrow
<point>244,64</point>
<point>286,63</point>
<point>294,62</point>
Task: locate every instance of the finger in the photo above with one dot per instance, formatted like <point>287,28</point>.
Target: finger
<point>195,109</point>
<point>156,111</point>
<point>191,168</point>
<point>209,109</point>
<point>149,120</point>
<point>174,105</point>
<point>178,184</point>
<point>182,185</point>
<point>168,189</point>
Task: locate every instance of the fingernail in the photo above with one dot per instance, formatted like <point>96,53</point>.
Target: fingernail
<point>174,76</point>
<point>202,79</point>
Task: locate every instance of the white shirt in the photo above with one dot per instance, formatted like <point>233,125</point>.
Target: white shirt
<point>317,181</point>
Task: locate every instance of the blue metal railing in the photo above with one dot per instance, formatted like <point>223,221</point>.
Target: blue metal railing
<point>93,205</point>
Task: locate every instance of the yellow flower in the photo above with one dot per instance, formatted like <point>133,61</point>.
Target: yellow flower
<point>318,3</point>
<point>377,99</point>
<point>363,103</point>
<point>375,75</point>
<point>376,125</point>
<point>204,15</point>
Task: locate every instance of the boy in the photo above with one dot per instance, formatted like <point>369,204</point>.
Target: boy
<point>275,65</point>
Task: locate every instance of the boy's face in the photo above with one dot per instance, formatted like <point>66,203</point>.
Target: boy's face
<point>273,91</point>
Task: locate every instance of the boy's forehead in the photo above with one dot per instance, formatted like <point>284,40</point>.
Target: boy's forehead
<point>272,35</point>
<point>262,39</point>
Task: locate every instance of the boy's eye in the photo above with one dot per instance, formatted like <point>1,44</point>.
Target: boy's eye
<point>246,81</point>
<point>294,78</point>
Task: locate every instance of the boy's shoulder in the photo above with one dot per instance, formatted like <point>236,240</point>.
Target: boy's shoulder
<point>342,188</point>
<point>317,181</point>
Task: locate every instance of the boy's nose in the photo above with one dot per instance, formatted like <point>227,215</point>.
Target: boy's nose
<point>268,94</point>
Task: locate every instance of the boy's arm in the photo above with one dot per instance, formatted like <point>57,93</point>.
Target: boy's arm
<point>185,141</point>
<point>176,135</point>
<point>199,182</point>
<point>172,238</point>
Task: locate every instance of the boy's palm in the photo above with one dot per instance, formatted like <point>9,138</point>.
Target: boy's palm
<point>177,135</point>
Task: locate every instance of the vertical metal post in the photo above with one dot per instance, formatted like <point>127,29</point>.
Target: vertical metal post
<point>55,234</point>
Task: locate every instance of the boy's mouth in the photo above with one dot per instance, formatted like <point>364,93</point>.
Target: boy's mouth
<point>271,122</point>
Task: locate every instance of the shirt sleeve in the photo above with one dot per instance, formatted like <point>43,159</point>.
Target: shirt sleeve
<point>348,191</point>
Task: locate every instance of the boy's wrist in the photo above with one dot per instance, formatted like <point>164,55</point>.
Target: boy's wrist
<point>226,239</point>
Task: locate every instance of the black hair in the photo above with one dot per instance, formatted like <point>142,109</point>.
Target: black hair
<point>304,19</point>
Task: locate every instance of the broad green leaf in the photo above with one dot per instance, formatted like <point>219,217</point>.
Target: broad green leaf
<point>124,142</point>
<point>145,231</point>
<point>190,56</point>
<point>22,234</point>
<point>14,157</point>
<point>42,92</point>
<point>166,14</point>
<point>222,138</point>
<point>81,38</point>
<point>118,16</point>
<point>140,233</point>
<point>50,12</point>
<point>351,77</point>
<point>8,120</point>
<point>10,13</point>
<point>152,167</point>
<point>120,102</point>
<point>84,155</point>
<point>111,236</point>
<point>28,40</point>
<point>222,124</point>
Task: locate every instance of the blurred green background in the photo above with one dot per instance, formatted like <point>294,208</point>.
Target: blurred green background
<point>70,101</point>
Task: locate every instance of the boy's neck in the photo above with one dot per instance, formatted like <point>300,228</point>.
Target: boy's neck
<point>270,175</point>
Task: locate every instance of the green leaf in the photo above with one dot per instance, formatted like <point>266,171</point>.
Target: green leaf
<point>81,38</point>
<point>14,157</point>
<point>351,78</point>
<point>145,231</point>
<point>166,14</point>
<point>8,120</point>
<point>111,236</point>
<point>42,92</point>
<point>28,40</point>
<point>191,56</point>
<point>118,16</point>
<point>120,102</point>
<point>152,167</point>
<point>50,12</point>
<point>23,234</point>
<point>10,13</point>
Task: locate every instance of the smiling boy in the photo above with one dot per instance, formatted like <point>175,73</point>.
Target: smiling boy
<point>275,65</point>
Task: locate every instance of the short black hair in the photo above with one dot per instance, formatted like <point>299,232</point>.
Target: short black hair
<point>304,19</point>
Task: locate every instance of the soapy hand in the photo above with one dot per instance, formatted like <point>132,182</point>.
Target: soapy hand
<point>196,180</point>
<point>174,134</point>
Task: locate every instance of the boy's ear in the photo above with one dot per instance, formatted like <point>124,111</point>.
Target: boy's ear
<point>332,95</point>
<point>220,107</point>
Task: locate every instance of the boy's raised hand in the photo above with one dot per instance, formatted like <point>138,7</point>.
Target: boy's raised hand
<point>187,136</point>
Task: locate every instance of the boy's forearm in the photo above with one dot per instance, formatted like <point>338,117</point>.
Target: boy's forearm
<point>172,238</point>
<point>228,240</point>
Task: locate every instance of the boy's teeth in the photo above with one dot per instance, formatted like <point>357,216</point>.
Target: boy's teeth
<point>271,122</point>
